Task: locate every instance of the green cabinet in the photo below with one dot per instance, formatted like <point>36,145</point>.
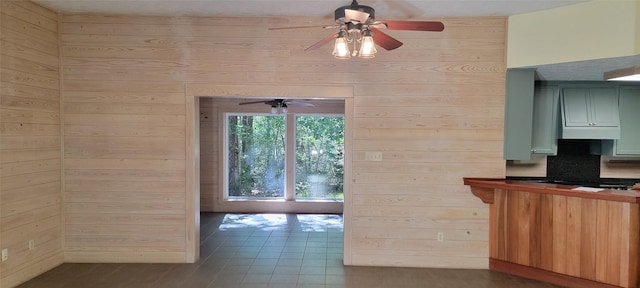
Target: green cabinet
<point>590,113</point>
<point>518,115</point>
<point>531,116</point>
<point>545,120</point>
<point>629,142</point>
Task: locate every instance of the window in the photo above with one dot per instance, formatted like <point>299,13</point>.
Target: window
<point>256,156</point>
<point>319,157</point>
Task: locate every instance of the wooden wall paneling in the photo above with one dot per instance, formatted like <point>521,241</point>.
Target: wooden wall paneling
<point>547,214</point>
<point>590,225</point>
<point>502,235</point>
<point>494,233</point>
<point>513,227</point>
<point>630,243</point>
<point>574,229</point>
<point>615,242</point>
<point>560,234</point>
<point>111,61</point>
<point>30,153</point>
<point>523,229</point>
<point>125,149</point>
<point>535,230</point>
<point>598,244</point>
<point>602,239</point>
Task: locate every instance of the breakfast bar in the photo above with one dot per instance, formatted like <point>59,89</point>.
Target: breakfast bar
<point>566,235</point>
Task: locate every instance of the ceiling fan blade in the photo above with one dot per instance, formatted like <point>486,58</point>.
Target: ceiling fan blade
<point>412,25</point>
<point>303,27</point>
<point>251,102</point>
<point>351,15</point>
<point>383,40</point>
<point>325,40</point>
<point>299,104</point>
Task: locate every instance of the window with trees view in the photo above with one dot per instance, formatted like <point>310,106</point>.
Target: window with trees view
<point>257,151</point>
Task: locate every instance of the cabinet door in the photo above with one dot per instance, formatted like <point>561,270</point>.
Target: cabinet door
<point>629,142</point>
<point>604,107</point>
<point>545,120</point>
<point>576,107</point>
<point>518,116</point>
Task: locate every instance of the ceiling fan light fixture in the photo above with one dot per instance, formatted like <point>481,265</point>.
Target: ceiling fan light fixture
<point>341,48</point>
<point>285,109</point>
<point>367,47</point>
<point>625,74</point>
<point>274,109</point>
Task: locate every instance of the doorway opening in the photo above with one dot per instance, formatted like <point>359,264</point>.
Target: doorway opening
<point>196,151</point>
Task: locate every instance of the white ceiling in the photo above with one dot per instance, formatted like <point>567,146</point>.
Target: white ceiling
<point>385,9</point>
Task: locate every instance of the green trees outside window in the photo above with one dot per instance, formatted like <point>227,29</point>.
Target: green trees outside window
<point>319,157</point>
<point>256,156</point>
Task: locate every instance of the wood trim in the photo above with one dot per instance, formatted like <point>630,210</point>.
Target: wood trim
<point>347,209</point>
<point>192,189</point>
<point>485,194</point>
<point>262,91</point>
<point>544,275</point>
<point>631,196</point>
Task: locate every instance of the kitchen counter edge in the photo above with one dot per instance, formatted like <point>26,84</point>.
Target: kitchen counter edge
<point>630,196</point>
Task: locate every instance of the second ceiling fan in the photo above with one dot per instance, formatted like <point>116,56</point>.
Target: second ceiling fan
<point>357,25</point>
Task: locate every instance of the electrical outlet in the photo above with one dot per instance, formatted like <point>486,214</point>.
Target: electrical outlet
<point>440,236</point>
<point>5,254</point>
<point>373,156</point>
<point>32,244</point>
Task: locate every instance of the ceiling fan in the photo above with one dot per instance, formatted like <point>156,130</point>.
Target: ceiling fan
<point>279,106</point>
<point>356,24</point>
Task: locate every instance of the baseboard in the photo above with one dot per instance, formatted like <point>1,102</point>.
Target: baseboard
<point>123,257</point>
<point>544,275</point>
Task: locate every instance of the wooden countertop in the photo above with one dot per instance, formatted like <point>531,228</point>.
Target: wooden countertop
<point>631,196</point>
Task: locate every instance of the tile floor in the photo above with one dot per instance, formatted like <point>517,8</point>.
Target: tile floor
<point>269,250</point>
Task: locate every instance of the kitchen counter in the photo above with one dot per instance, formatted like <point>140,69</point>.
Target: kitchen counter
<point>553,233</point>
<point>631,196</point>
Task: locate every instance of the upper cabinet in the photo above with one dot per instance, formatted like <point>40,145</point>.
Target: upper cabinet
<point>590,113</point>
<point>531,116</point>
<point>545,120</point>
<point>518,114</point>
<point>629,143</point>
<point>537,114</point>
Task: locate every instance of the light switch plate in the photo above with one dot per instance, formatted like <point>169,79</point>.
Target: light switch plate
<point>5,254</point>
<point>373,156</point>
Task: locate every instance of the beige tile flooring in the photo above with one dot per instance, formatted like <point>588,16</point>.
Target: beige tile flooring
<point>269,250</point>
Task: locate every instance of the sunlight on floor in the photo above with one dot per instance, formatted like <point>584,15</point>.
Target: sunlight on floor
<point>283,222</point>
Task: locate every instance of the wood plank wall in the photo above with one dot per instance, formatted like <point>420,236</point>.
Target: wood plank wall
<point>124,135</point>
<point>436,113</point>
<point>434,108</point>
<point>30,152</point>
